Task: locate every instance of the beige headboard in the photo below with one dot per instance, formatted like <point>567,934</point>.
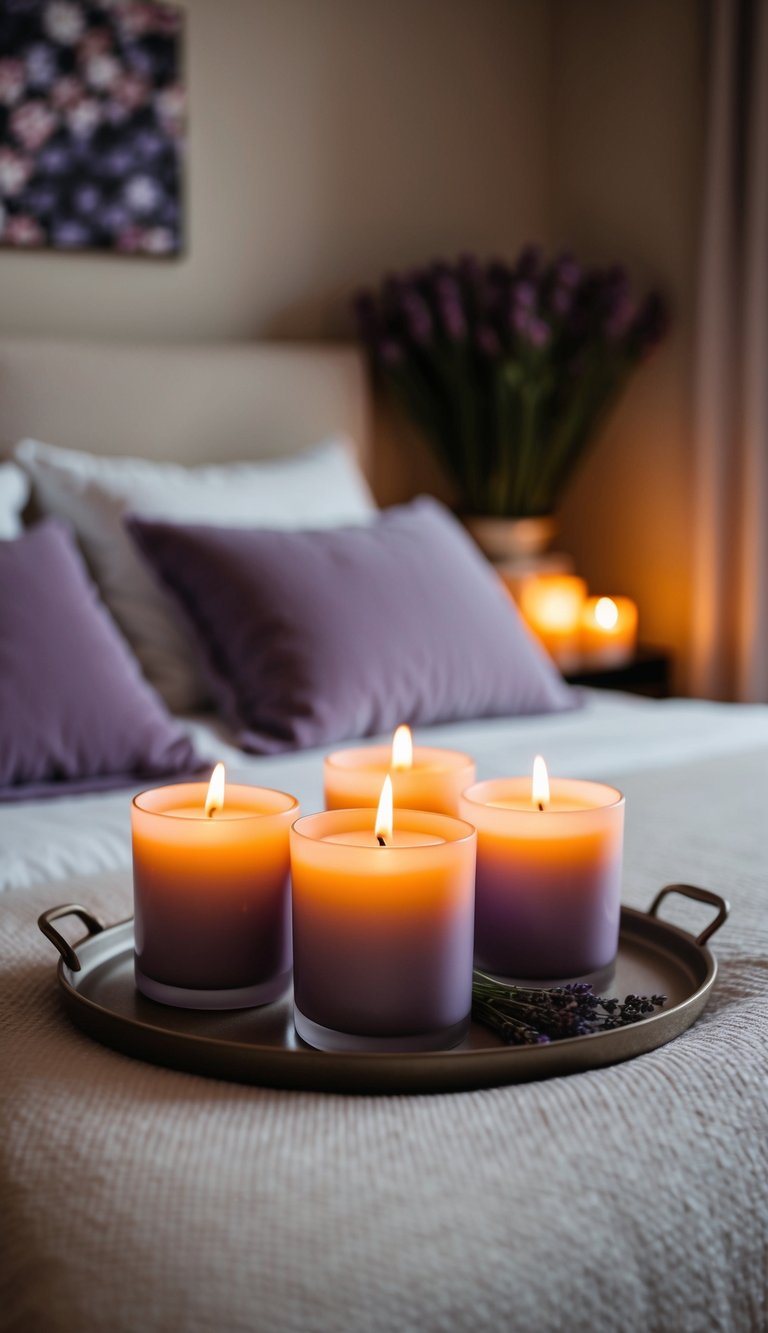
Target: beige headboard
<point>189,403</point>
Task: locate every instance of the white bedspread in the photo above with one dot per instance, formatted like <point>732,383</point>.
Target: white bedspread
<point>630,1198</point>
<point>613,735</point>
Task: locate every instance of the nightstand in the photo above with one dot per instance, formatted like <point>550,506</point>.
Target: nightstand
<point>647,673</point>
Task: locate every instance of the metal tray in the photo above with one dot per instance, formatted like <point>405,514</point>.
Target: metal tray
<point>260,1045</point>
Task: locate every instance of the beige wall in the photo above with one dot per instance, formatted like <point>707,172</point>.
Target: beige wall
<point>627,132</point>
<point>329,140</point>
<point>333,139</point>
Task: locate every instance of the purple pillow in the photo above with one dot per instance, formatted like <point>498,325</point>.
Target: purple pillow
<point>314,637</point>
<point>75,712</point>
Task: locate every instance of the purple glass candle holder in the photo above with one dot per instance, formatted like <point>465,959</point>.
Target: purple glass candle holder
<point>548,888</point>
<point>212,896</point>
<point>382,935</point>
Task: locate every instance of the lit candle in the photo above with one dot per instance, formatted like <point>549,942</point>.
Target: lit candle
<point>548,887</point>
<point>423,777</point>
<point>211,893</point>
<point>551,605</point>
<point>382,928</point>
<point>608,631</point>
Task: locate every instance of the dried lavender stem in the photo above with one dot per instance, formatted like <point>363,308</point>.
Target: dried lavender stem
<point>525,1015</point>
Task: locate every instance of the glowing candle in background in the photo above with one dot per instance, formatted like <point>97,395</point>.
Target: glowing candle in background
<point>608,631</point>
<point>402,750</point>
<point>211,893</point>
<point>549,857</point>
<point>423,777</point>
<point>383,928</point>
<point>551,604</point>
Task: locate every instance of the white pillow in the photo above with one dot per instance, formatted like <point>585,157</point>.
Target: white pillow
<point>321,488</point>
<point>14,489</point>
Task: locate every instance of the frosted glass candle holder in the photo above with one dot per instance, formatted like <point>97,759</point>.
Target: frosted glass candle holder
<point>212,896</point>
<point>353,778</point>
<point>548,889</point>
<point>382,935</point>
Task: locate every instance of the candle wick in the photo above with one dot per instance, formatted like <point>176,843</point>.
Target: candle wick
<point>210,813</point>
<point>381,840</point>
<point>541,806</point>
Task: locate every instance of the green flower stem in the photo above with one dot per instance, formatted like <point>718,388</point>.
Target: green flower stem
<point>500,476</point>
<point>466,416</point>
<point>519,495</point>
<point>596,394</point>
<point>428,410</point>
<point>505,448</point>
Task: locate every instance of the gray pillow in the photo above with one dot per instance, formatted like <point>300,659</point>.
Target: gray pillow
<point>77,715</point>
<point>314,637</point>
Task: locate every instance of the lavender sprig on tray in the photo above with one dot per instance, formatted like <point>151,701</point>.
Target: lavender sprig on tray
<point>526,1016</point>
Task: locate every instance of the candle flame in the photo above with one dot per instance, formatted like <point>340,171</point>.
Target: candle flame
<point>384,813</point>
<point>540,783</point>
<point>215,799</point>
<point>402,749</point>
<point>606,613</point>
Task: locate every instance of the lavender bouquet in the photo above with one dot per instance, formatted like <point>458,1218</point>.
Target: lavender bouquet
<point>509,370</point>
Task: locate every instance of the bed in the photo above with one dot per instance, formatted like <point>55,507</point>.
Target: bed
<point>135,1197</point>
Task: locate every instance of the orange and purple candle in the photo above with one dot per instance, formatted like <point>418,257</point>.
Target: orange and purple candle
<point>211,893</point>
<point>382,928</point>
<point>549,858</point>
<point>424,777</point>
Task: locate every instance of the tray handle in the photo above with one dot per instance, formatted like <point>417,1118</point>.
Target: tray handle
<point>701,896</point>
<point>45,922</point>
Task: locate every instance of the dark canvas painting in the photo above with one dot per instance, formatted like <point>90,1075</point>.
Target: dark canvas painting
<point>92,122</point>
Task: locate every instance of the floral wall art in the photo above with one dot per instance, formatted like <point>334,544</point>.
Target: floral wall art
<point>92,122</point>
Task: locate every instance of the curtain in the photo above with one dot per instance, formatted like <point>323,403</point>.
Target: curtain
<point>730,500</point>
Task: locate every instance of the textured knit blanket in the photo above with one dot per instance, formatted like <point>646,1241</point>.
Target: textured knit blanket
<point>628,1198</point>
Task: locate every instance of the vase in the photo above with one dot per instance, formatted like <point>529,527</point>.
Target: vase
<point>512,540</point>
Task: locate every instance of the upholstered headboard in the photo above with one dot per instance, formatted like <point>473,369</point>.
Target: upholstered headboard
<point>187,403</point>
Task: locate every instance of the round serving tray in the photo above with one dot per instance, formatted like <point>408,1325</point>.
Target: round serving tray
<point>260,1045</point>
